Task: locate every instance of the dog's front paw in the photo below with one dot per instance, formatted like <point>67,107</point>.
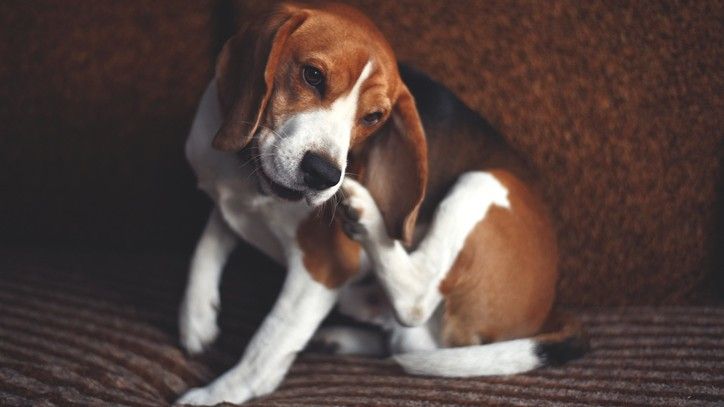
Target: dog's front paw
<point>361,219</point>
<point>195,397</point>
<point>214,394</point>
<point>197,319</point>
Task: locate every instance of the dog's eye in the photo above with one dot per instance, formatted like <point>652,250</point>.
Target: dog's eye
<point>314,77</point>
<point>371,119</point>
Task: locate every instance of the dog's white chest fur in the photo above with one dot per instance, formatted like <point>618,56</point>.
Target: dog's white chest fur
<point>266,222</point>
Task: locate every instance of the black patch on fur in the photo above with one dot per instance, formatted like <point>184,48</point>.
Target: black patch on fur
<point>439,108</point>
<point>558,353</point>
<point>322,347</point>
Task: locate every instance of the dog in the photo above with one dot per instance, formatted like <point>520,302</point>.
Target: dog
<point>309,109</point>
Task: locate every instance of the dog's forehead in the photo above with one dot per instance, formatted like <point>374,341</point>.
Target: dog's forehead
<point>342,23</point>
<point>343,44</point>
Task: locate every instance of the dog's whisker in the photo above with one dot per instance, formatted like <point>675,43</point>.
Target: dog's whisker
<point>334,210</point>
<point>262,126</point>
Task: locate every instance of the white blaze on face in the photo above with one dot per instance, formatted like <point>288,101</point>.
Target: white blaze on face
<point>327,131</point>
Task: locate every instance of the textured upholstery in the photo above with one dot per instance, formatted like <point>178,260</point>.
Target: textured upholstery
<point>617,105</point>
<point>94,329</point>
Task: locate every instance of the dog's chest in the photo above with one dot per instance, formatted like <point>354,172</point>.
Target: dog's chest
<point>254,216</point>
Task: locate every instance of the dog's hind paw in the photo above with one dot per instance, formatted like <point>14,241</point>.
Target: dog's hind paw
<point>362,220</point>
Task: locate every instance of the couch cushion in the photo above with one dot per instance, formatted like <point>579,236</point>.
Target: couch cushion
<point>98,329</point>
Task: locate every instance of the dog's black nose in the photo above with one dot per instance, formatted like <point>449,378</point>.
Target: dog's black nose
<point>319,172</point>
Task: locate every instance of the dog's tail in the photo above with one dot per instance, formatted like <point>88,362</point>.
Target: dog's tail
<point>501,358</point>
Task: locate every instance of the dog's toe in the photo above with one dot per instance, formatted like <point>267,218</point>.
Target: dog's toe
<point>354,230</point>
<point>351,213</point>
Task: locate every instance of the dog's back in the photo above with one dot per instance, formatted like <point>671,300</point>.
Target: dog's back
<point>459,139</point>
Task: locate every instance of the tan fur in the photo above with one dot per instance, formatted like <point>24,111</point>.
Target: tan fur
<point>394,168</point>
<point>269,58</point>
<point>502,284</point>
<point>339,40</point>
<point>330,257</point>
<point>259,71</point>
<point>245,73</point>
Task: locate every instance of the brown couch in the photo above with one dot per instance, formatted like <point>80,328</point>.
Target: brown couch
<point>617,104</point>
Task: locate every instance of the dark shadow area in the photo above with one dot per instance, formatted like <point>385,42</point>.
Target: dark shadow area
<point>715,260</point>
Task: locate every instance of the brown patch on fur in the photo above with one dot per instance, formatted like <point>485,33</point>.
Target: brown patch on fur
<point>502,284</point>
<point>245,73</point>
<point>260,70</point>
<point>330,257</point>
<point>394,168</point>
<point>339,41</point>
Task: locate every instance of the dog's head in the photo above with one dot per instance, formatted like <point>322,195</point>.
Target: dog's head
<point>305,89</point>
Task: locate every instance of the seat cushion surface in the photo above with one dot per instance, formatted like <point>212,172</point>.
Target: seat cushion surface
<point>84,329</point>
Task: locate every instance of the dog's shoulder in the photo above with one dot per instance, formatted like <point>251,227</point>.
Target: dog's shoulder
<point>214,169</point>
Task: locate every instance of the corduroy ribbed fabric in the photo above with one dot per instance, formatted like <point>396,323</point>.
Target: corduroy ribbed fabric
<point>75,332</point>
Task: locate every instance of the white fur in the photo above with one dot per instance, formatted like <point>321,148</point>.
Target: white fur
<point>197,316</point>
<point>501,358</point>
<point>412,280</point>
<point>269,224</point>
<point>351,341</point>
<point>301,306</point>
<point>321,130</point>
<point>405,339</point>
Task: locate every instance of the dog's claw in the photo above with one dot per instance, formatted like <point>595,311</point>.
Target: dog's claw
<point>351,213</point>
<point>353,229</point>
<point>360,215</point>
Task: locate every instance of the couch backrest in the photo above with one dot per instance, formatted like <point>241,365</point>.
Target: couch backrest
<point>617,105</point>
<point>96,101</point>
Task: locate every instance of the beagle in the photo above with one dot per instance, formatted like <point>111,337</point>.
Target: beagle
<point>318,150</point>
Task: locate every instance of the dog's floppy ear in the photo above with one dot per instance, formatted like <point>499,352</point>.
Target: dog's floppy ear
<point>245,72</point>
<point>395,171</point>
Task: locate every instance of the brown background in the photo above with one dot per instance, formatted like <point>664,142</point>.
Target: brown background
<point>617,104</point>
